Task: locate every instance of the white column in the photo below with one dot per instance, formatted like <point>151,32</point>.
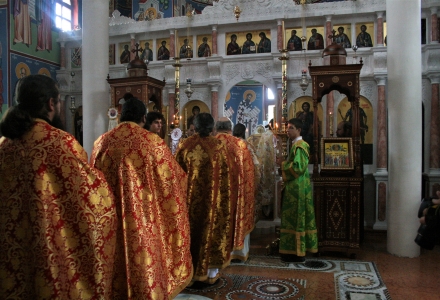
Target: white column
<point>95,68</point>
<point>404,63</point>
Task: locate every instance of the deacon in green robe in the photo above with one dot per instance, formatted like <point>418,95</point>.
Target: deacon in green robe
<point>298,227</point>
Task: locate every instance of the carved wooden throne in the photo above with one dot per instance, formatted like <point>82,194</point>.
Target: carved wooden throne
<point>338,194</point>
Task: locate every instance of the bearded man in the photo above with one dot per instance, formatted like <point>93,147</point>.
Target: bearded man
<point>57,214</point>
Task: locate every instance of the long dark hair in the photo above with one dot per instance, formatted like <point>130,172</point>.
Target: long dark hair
<point>33,97</point>
<point>204,123</point>
<point>133,110</point>
<point>239,131</point>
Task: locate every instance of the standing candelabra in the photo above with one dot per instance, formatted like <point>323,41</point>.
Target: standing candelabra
<point>177,66</point>
<point>282,130</point>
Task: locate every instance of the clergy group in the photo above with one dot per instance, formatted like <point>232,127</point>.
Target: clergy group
<point>137,221</point>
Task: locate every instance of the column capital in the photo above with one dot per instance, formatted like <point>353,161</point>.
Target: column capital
<point>172,31</point>
<point>434,10</point>
<point>379,14</point>
<point>132,36</point>
<point>62,44</point>
<point>435,79</point>
<point>279,22</point>
<point>214,27</point>
<point>380,80</point>
<point>171,90</point>
<point>214,87</point>
<point>328,18</point>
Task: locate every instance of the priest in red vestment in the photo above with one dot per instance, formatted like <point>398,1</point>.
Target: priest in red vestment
<point>152,259</point>
<point>242,186</point>
<point>57,214</point>
<point>211,214</point>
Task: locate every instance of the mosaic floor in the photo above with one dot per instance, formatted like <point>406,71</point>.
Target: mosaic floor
<point>354,280</point>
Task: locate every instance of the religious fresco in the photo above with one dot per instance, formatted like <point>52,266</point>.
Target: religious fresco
<point>295,108</point>
<point>32,31</point>
<point>241,39</point>
<point>3,62</point>
<point>123,56</point>
<point>23,66</point>
<point>317,1</point>
<point>204,44</point>
<point>244,104</point>
<point>302,108</point>
<point>315,41</point>
<point>366,124</point>
<point>363,38</point>
<point>148,10</point>
<point>123,6</point>
<point>182,47</point>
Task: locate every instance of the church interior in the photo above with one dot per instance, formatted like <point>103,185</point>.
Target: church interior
<point>375,63</point>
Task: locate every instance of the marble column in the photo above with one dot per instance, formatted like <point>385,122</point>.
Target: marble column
<point>381,175</point>
<point>328,30</point>
<point>132,46</point>
<point>214,102</point>
<point>379,29</point>
<point>405,142</point>
<point>434,26</point>
<point>434,126</point>
<point>95,68</point>
<point>62,56</point>
<point>280,35</point>
<point>172,43</point>
<point>214,41</point>
<point>434,138</point>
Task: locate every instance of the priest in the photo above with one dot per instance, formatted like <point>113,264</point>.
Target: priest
<point>242,187</point>
<point>57,214</point>
<point>211,214</point>
<point>152,258</point>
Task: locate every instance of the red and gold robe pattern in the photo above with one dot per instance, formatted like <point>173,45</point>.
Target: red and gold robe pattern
<point>210,210</point>
<point>243,184</point>
<point>57,219</point>
<point>152,259</point>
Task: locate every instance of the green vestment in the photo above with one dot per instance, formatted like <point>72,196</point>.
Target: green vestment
<point>298,227</point>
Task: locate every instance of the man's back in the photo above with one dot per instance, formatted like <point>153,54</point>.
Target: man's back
<point>57,219</point>
<point>153,230</point>
<point>210,211</point>
<point>243,183</point>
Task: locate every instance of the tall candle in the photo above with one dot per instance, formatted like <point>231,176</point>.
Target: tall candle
<point>168,116</point>
<point>186,118</point>
<point>331,123</point>
<point>176,41</point>
<point>274,115</point>
<point>284,37</point>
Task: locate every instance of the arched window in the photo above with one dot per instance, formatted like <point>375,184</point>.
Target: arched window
<point>66,14</point>
<point>63,15</point>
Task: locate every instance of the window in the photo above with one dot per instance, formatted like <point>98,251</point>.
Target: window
<point>270,94</point>
<point>63,15</point>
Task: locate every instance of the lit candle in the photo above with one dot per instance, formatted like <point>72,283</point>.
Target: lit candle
<point>168,116</point>
<point>331,123</point>
<point>274,114</point>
